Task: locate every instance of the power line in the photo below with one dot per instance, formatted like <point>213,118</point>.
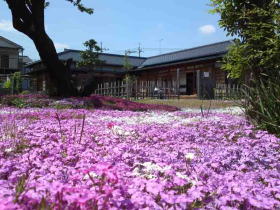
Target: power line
<point>102,48</point>
<point>141,50</point>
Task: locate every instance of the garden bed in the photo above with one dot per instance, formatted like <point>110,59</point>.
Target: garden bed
<point>91,102</point>
<point>89,159</point>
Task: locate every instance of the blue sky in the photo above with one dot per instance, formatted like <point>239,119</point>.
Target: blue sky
<point>123,24</point>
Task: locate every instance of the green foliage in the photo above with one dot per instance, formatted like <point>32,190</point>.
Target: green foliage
<point>235,62</point>
<point>255,55</point>
<point>129,78</point>
<point>13,100</point>
<point>14,83</point>
<point>127,65</point>
<point>80,6</point>
<point>20,187</point>
<point>76,3</point>
<point>7,84</point>
<point>256,24</point>
<point>90,57</point>
<point>19,103</point>
<point>44,205</point>
<point>25,92</point>
<point>263,104</point>
<point>17,82</point>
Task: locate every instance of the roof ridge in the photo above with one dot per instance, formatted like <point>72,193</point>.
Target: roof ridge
<point>192,48</point>
<point>11,42</point>
<point>73,50</point>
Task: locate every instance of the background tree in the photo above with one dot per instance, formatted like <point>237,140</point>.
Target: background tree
<point>17,82</point>
<point>129,79</point>
<point>90,57</point>
<point>257,26</point>
<point>255,55</point>
<point>29,18</point>
<point>127,65</point>
<point>90,61</point>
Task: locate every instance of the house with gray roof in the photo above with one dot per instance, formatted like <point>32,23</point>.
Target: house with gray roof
<point>9,58</point>
<point>112,68</point>
<point>194,71</point>
<point>189,70</point>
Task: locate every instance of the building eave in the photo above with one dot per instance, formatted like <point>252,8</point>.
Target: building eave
<point>180,62</point>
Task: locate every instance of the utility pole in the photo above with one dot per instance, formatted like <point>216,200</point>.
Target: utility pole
<point>103,49</point>
<point>139,50</point>
<point>128,52</point>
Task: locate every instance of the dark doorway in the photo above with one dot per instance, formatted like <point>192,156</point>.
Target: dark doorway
<point>190,83</point>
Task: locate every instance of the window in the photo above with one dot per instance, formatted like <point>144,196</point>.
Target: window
<point>4,61</point>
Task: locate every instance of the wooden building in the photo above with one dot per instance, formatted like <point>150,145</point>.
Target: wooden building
<point>112,69</point>
<point>193,71</point>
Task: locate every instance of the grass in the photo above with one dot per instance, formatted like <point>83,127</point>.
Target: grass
<point>191,103</point>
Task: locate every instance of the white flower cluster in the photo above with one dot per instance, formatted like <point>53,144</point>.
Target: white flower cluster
<point>235,110</point>
<point>148,170</point>
<point>145,118</point>
<point>8,150</point>
<point>154,118</point>
<point>90,175</point>
<point>121,131</point>
<point>189,156</point>
<point>183,176</point>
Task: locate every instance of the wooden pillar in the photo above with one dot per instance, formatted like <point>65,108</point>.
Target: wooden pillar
<point>178,83</point>
<point>198,83</point>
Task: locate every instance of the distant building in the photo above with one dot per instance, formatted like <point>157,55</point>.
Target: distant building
<point>24,60</point>
<point>191,71</point>
<point>112,68</point>
<point>12,60</point>
<point>9,58</point>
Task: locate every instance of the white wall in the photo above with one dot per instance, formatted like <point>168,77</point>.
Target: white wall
<point>13,57</point>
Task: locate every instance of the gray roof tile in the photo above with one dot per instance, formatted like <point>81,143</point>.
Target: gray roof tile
<point>192,53</point>
<point>110,59</point>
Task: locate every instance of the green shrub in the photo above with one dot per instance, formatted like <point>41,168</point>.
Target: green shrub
<point>18,102</point>
<point>25,92</point>
<point>7,84</point>
<point>17,82</point>
<point>262,104</point>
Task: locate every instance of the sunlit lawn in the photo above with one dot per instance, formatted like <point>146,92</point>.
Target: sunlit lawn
<point>192,103</point>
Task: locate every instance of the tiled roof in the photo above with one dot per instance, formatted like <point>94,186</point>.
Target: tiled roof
<point>4,42</point>
<point>110,59</point>
<point>219,48</point>
<point>210,51</point>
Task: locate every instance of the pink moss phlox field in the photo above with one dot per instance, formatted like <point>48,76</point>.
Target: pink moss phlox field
<point>98,159</point>
<point>93,101</point>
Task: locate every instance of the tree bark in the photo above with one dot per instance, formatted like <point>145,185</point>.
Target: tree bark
<point>28,18</point>
<point>59,74</point>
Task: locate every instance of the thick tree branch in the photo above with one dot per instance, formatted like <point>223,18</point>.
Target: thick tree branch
<point>22,16</point>
<point>38,14</point>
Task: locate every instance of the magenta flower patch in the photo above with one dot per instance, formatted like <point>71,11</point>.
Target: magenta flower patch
<point>105,159</point>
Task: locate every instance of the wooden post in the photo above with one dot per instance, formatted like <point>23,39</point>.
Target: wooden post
<point>101,89</point>
<point>136,89</point>
<point>178,83</point>
<point>198,83</point>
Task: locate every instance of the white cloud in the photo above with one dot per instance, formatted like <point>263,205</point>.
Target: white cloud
<point>61,46</point>
<point>207,29</point>
<point>6,25</point>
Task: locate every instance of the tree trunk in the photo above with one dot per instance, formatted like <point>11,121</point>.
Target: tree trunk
<point>59,74</point>
<point>28,18</point>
